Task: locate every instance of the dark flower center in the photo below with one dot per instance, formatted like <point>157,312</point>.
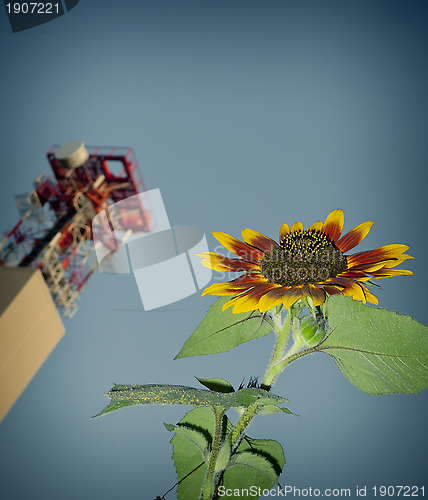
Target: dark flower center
<point>303,257</point>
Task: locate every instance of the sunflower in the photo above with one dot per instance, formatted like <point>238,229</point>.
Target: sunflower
<point>305,263</point>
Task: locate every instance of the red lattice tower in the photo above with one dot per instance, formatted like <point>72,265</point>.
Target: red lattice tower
<point>54,233</point>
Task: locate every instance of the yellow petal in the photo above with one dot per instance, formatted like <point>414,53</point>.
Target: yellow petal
<point>369,296</point>
<point>250,301</point>
<point>230,303</point>
<point>292,295</point>
<point>387,273</point>
<point>317,295</point>
<point>353,237</point>
<point>238,247</point>
<point>271,298</point>
<point>333,225</point>
<point>297,226</point>
<point>355,291</point>
<point>258,240</point>
<point>284,230</point>
<point>227,288</point>
<point>316,226</point>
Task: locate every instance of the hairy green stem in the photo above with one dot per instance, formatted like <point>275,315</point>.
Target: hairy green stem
<point>239,429</point>
<point>209,483</point>
<point>279,360</point>
<point>292,355</point>
<point>274,370</point>
<point>282,331</point>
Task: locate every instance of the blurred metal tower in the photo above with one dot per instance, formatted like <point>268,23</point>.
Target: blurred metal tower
<point>54,233</point>
<point>47,258</point>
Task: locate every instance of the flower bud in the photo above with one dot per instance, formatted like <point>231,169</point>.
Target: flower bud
<point>311,332</point>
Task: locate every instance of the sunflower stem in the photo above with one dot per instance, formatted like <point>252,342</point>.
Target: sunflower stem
<point>238,431</point>
<point>209,486</point>
<point>282,330</point>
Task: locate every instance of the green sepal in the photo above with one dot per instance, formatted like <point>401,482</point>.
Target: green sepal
<point>307,331</point>
<point>378,351</point>
<point>220,331</point>
<point>315,339</point>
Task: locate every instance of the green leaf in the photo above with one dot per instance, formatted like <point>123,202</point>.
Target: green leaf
<point>187,456</point>
<point>195,437</point>
<point>248,470</point>
<point>220,331</point>
<point>258,462</point>
<point>268,448</point>
<point>129,395</point>
<point>272,409</point>
<point>379,351</point>
<point>216,384</point>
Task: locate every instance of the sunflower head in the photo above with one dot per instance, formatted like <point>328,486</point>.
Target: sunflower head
<point>305,263</point>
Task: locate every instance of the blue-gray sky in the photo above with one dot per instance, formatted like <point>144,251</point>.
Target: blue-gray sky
<point>244,114</point>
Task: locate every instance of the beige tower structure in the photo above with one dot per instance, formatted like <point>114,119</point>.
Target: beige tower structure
<point>30,327</point>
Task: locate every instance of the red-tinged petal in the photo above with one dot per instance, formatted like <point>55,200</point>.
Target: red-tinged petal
<point>213,261</point>
<point>332,290</point>
<point>258,240</point>
<point>218,262</point>
<point>342,282</point>
<point>393,263</point>
<point>250,278</point>
<point>358,291</point>
<point>227,288</point>
<point>241,265</point>
<point>230,303</point>
<point>387,252</point>
<point>369,296</point>
<point>354,274</point>
<point>355,291</point>
<point>293,294</point>
<point>386,273</point>
<point>297,226</point>
<point>250,301</point>
<point>353,237</point>
<point>316,226</point>
<point>245,281</point>
<point>333,225</point>
<point>272,298</point>
<point>284,230</point>
<point>367,268</point>
<point>238,247</point>
<point>317,295</point>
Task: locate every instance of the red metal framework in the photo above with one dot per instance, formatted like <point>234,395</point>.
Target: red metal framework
<point>55,229</point>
